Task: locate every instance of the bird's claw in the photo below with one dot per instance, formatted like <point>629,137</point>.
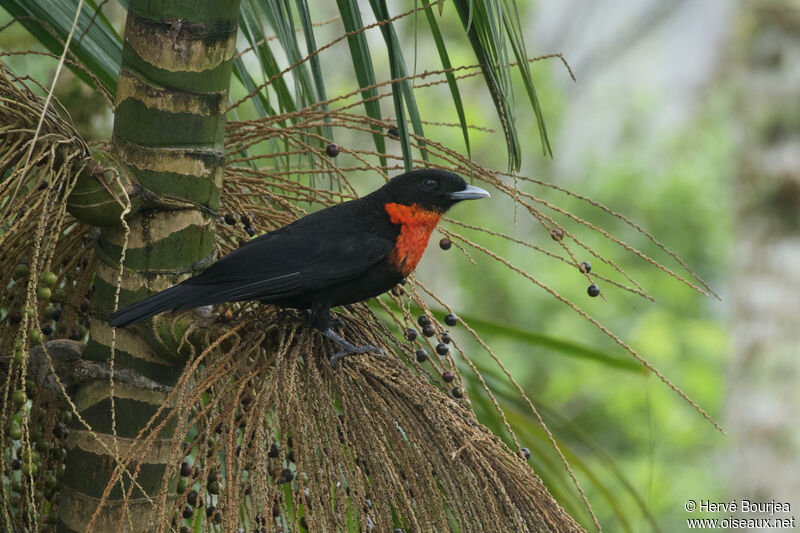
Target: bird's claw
<point>348,348</point>
<point>341,354</point>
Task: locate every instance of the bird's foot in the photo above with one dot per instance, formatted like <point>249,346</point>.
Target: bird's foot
<point>348,348</point>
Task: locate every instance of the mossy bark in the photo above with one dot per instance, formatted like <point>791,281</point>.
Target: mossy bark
<point>168,143</point>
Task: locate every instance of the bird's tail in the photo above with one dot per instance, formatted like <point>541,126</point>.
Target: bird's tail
<point>174,298</point>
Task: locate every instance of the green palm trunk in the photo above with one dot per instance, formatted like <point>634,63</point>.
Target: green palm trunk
<point>168,140</point>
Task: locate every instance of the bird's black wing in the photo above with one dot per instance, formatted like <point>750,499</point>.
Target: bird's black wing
<point>281,265</point>
<point>314,253</point>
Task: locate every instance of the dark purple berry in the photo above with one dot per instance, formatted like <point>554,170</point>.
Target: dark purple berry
<point>448,376</point>
<point>210,510</point>
<point>428,330</point>
<point>332,150</point>
<point>442,349</point>
<point>15,317</point>
<point>411,334</point>
<point>16,464</point>
<point>274,451</point>
<point>393,133</point>
<point>557,234</point>
<point>450,319</point>
<point>585,267</point>
<point>187,512</point>
<point>422,356</point>
<point>526,452</point>
<point>250,230</point>
<point>458,392</point>
<point>593,290</point>
<point>191,498</point>
<point>286,476</point>
<point>423,320</point>
<point>445,243</point>
<point>446,338</point>
<point>186,469</point>
<point>47,328</point>
<point>230,219</point>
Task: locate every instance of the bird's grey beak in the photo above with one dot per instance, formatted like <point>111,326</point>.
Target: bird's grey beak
<point>470,193</point>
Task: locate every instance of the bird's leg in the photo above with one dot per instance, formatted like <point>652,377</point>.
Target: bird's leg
<point>337,323</point>
<point>320,318</point>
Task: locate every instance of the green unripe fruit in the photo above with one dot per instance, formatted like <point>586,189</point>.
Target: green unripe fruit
<point>29,456</point>
<point>20,356</point>
<point>30,468</point>
<point>182,484</point>
<point>35,336</point>
<point>20,271</point>
<point>59,295</point>
<point>30,311</point>
<point>19,397</point>
<point>44,293</point>
<point>15,432</point>
<point>48,278</point>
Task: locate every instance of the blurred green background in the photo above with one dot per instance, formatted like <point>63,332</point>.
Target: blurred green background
<point>652,128</point>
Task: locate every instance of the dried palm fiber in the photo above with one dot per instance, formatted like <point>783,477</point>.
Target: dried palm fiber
<point>367,444</point>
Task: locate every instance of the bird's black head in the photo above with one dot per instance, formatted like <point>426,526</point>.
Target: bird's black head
<point>431,189</point>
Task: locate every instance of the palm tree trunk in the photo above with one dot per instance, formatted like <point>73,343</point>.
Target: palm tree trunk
<point>168,140</point>
<point>764,376</point>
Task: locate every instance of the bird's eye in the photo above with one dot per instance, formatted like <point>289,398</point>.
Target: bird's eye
<point>429,184</point>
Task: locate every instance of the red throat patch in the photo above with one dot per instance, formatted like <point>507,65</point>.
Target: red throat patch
<point>416,226</point>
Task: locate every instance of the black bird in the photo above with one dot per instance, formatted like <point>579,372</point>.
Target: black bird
<point>343,254</point>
